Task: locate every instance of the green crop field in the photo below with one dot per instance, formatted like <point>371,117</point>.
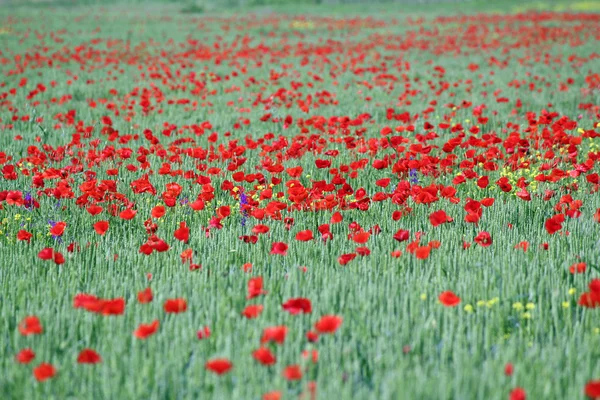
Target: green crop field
<point>284,200</point>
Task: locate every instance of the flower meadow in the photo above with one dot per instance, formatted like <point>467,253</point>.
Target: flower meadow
<point>271,205</point>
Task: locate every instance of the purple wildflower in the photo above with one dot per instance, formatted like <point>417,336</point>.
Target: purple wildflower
<point>413,175</point>
<point>243,202</point>
<point>28,201</point>
<point>183,202</point>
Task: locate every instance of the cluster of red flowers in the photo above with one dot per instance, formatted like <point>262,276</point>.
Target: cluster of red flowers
<point>31,325</point>
<point>425,145</point>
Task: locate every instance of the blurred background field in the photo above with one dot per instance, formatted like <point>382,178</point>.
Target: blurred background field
<point>347,6</point>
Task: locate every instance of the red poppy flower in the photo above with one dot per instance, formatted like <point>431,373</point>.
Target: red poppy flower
<point>249,239</point>
<point>58,229</point>
<point>100,306</point>
<point>101,227</point>
<point>255,287</point>
<point>346,258</point>
<point>578,268</point>
<point>223,212</point>
<point>155,243</point>
<point>383,182</point>
<point>337,217</point>
<point>472,218</point>
<point>264,356</point>
<point>127,214</point>
<point>292,373</point>
<point>175,306</point>
<point>183,233</point>
<point>44,371</point>
<point>487,202</point>
<point>449,299</point>
<point>422,252</point>
<point>524,245</point>
<point>260,229</point>
<point>483,239</point>
<point>30,325</point>
<point>145,296</point>
<point>158,212</point>
<point>23,235</point>
<point>88,356</point>
<point>247,267</point>
<point>145,330</point>
<point>517,394</point>
<point>294,172</point>
<point>508,369</point>
<point>25,356</point>
<point>46,254</point>
<point>402,235</point>
<point>592,389</point>
<point>94,209</point>
<point>363,251</point>
<point>524,195</point>
<point>51,254</point>
<point>322,163</point>
<point>591,299</point>
<point>112,306</point>
<point>276,395</point>
<point>203,333</point>
<point>279,248</point>
<point>297,306</point>
<point>219,366</point>
<point>83,300</point>
<point>312,336</point>
<point>304,236</point>
<point>439,217</point>
<point>554,224</point>
<point>197,205</point>
<point>328,324</point>
<point>275,334</point>
<point>361,237</point>
<point>252,311</point>
<point>187,255</point>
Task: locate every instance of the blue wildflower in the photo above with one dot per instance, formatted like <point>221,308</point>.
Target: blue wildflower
<point>413,176</point>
